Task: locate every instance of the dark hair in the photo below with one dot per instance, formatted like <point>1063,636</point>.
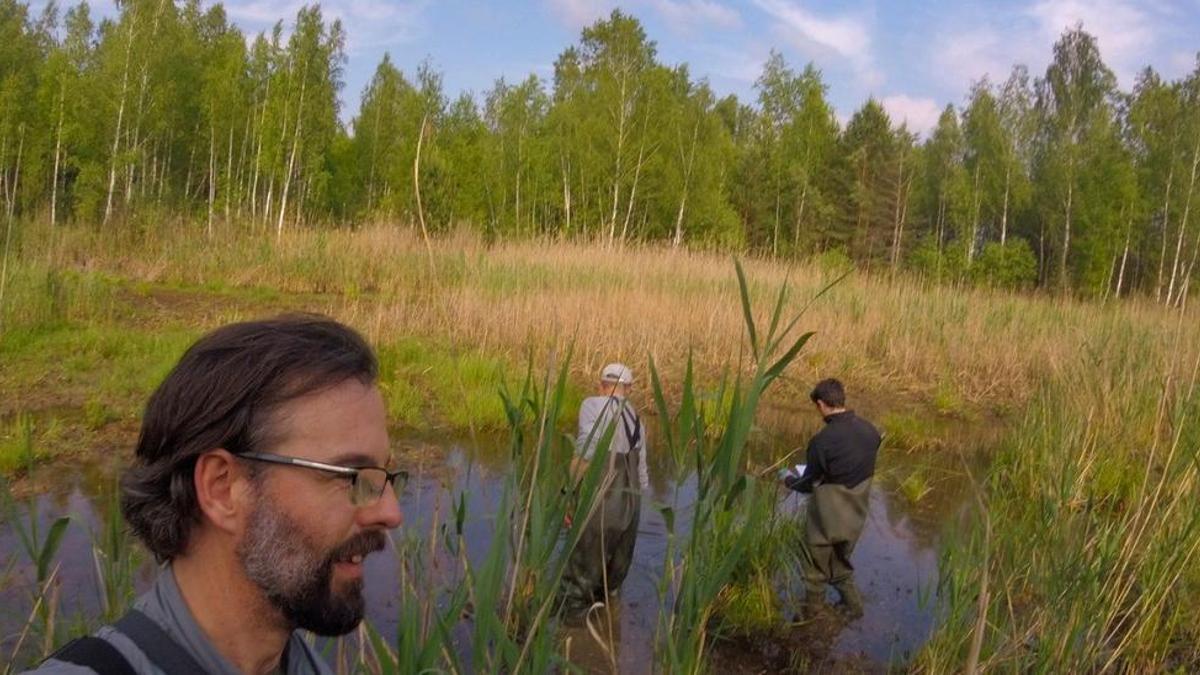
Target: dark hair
<point>830,392</point>
<point>221,394</point>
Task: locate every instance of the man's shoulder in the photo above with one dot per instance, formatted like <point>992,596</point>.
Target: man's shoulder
<point>125,649</point>
<point>53,666</point>
<point>305,659</point>
<point>866,424</point>
<point>593,403</point>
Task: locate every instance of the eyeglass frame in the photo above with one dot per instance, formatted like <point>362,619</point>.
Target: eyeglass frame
<point>351,472</point>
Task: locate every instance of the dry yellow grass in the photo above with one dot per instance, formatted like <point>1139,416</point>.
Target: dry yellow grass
<point>955,348</point>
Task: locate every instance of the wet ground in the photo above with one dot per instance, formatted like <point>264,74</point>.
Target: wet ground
<point>897,560</point>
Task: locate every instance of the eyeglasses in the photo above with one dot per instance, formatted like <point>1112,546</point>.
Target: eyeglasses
<point>367,483</point>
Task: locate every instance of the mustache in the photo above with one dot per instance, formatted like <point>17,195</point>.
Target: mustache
<point>363,544</point>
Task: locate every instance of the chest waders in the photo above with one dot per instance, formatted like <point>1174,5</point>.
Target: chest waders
<point>836,516</point>
<point>602,558</point>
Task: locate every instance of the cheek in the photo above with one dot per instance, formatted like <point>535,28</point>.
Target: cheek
<point>331,519</point>
<point>324,510</point>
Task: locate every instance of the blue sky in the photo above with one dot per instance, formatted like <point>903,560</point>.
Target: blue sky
<point>914,56</point>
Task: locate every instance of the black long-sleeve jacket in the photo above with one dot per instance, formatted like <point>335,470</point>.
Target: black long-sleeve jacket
<point>843,453</point>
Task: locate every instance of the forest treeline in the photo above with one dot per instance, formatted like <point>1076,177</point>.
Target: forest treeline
<point>1059,180</point>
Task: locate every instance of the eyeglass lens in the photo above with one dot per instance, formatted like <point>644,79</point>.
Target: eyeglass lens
<point>369,485</point>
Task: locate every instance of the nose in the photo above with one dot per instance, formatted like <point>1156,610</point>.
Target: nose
<point>382,513</point>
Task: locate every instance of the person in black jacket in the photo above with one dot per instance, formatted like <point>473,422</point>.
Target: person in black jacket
<point>840,464</point>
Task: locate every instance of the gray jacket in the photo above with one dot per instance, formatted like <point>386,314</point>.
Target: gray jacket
<point>596,415</point>
<point>164,605</point>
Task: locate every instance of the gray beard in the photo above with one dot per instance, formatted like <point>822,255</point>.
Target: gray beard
<point>297,577</point>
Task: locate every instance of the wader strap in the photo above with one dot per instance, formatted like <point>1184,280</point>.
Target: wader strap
<point>635,436</point>
<point>95,653</point>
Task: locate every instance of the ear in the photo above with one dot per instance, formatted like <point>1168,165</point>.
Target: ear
<point>223,490</point>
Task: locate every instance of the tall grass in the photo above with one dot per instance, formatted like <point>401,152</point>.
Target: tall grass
<point>39,635</point>
<point>1088,560</point>
<point>955,348</point>
<point>727,518</point>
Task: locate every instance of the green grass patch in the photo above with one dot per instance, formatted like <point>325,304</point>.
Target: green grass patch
<point>916,486</point>
<point>910,433</point>
<point>426,385</point>
<point>17,445</point>
<point>109,369</point>
<point>28,439</point>
<point>750,606</point>
<point>947,400</point>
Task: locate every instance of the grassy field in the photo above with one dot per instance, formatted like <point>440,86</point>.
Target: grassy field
<point>1080,555</point>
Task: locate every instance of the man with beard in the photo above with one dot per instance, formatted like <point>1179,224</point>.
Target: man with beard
<point>260,482</point>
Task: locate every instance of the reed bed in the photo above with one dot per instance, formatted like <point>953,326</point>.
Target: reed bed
<point>956,348</point>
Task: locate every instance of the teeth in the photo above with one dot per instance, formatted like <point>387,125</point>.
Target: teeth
<point>356,559</point>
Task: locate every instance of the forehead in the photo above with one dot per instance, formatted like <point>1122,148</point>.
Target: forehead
<point>348,419</point>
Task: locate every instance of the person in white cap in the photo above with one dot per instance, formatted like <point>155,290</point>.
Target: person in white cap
<point>601,560</point>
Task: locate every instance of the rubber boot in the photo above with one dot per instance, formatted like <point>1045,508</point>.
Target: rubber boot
<point>850,602</point>
<point>814,600</point>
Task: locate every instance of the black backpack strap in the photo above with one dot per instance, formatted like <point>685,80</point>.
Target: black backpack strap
<point>634,436</point>
<point>95,653</point>
<point>158,646</point>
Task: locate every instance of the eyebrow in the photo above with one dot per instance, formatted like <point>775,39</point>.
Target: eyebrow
<point>353,460</point>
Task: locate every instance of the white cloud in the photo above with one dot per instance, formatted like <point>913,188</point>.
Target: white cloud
<point>1184,62</point>
<point>262,13</point>
<point>684,15</point>
<point>579,13</point>
<point>965,56</point>
<point>847,36</point>
<point>368,23</point>
<point>741,66</point>
<point>1125,31</point>
<point>920,114</point>
<point>969,45</point>
<point>690,14</point>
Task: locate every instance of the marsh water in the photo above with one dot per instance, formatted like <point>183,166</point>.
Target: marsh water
<point>896,559</point>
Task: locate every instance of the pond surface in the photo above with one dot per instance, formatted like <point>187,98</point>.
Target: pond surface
<point>896,559</point>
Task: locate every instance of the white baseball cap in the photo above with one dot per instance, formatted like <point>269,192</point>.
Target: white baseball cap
<point>617,373</point>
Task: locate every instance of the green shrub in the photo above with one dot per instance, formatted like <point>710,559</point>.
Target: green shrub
<point>1012,266</point>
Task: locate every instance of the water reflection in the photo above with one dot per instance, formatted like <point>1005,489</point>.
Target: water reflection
<point>896,559</point>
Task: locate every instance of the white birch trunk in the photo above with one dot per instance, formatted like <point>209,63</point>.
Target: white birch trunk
<point>898,226</point>
<point>212,177</point>
<point>1124,257</point>
<point>1183,222</point>
<point>1004,211</point>
<point>116,144</point>
<point>287,178</point>
<point>57,155</point>
<point>633,189</point>
<point>229,174</point>
<point>974,219</point>
<point>1166,221</point>
<point>1062,266</point>
<point>616,189</point>
<point>687,182</point>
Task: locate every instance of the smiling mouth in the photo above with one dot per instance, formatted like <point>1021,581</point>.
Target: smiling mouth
<point>355,551</point>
